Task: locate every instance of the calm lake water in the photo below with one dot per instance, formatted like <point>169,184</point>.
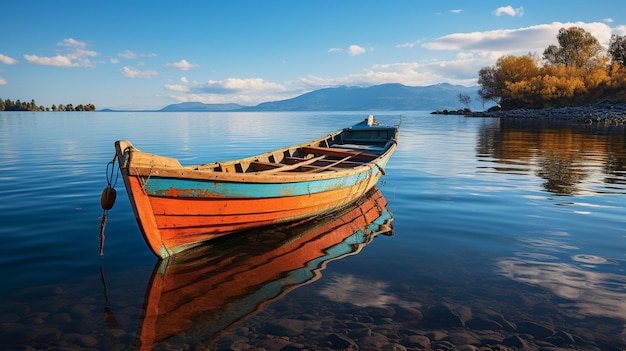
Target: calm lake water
<point>505,232</point>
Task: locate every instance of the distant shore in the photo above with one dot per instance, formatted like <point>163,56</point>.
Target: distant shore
<point>601,113</point>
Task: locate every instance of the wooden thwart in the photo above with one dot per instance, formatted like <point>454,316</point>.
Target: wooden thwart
<point>292,163</point>
<point>321,168</point>
<point>269,167</point>
<point>336,152</point>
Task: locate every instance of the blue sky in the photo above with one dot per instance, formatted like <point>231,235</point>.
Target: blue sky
<point>138,54</point>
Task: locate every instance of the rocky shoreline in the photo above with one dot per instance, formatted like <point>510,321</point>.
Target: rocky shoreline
<point>601,113</point>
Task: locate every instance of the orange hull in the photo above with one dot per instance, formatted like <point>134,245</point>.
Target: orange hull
<point>198,294</point>
<point>172,224</point>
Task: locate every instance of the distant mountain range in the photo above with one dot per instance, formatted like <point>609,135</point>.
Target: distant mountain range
<point>384,97</point>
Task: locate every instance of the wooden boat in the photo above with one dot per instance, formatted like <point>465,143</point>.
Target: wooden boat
<point>197,296</point>
<point>178,207</point>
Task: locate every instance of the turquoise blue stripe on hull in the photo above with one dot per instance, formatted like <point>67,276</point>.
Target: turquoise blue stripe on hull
<point>193,188</point>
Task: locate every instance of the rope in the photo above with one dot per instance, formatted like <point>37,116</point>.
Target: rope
<point>109,174</point>
<point>103,224</point>
<point>109,191</point>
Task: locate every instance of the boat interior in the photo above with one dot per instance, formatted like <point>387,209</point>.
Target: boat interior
<point>349,148</point>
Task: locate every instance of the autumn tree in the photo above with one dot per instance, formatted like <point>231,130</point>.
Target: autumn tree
<point>574,73</point>
<point>617,49</point>
<point>508,70</point>
<point>577,47</point>
<point>490,87</point>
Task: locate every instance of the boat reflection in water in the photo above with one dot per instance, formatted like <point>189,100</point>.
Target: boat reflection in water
<point>194,297</point>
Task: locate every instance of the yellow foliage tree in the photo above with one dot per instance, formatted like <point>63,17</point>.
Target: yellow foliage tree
<point>575,73</point>
<point>509,70</point>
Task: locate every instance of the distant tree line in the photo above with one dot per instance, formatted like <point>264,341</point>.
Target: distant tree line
<point>578,71</point>
<point>17,105</point>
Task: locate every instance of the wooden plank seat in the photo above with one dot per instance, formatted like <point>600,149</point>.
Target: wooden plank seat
<point>330,165</point>
<point>265,166</point>
<point>338,152</point>
<point>362,148</point>
<point>269,167</point>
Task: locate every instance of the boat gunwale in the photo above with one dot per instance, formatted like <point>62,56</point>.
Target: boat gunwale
<point>259,176</point>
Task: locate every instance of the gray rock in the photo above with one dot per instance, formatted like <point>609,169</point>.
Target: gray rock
<point>81,339</point>
<point>380,312</point>
<point>393,347</point>
<point>534,329</point>
<point>293,347</point>
<point>62,317</point>
<point>359,333</point>
<point>373,342</point>
<point>506,325</point>
<point>339,342</point>
<point>19,348</point>
<point>43,334</point>
<point>287,327</point>
<point>408,314</point>
<point>600,113</point>
<point>466,348</point>
<point>514,341</point>
<point>562,338</point>
<point>442,316</point>
<point>275,344</point>
<point>483,324</point>
<point>444,346</point>
<point>417,341</point>
<point>462,338</point>
<point>490,338</point>
<point>437,335</point>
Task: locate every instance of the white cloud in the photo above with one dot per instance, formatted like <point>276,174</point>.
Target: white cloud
<point>456,11</point>
<point>127,54</point>
<point>510,11</point>
<point>620,30</point>
<point>177,87</point>
<point>73,54</point>
<point>3,81</point>
<point>73,43</point>
<point>352,50</point>
<point>182,65</point>
<point>130,55</point>
<point>405,45</point>
<point>362,293</point>
<point>408,45</point>
<point>114,60</point>
<point>608,20</point>
<point>234,85</point>
<point>510,41</point>
<point>8,60</point>
<point>184,80</point>
<point>461,71</point>
<point>58,60</point>
<point>589,290</point>
<point>131,72</point>
<point>245,91</point>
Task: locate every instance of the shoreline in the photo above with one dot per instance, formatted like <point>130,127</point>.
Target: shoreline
<point>601,113</point>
